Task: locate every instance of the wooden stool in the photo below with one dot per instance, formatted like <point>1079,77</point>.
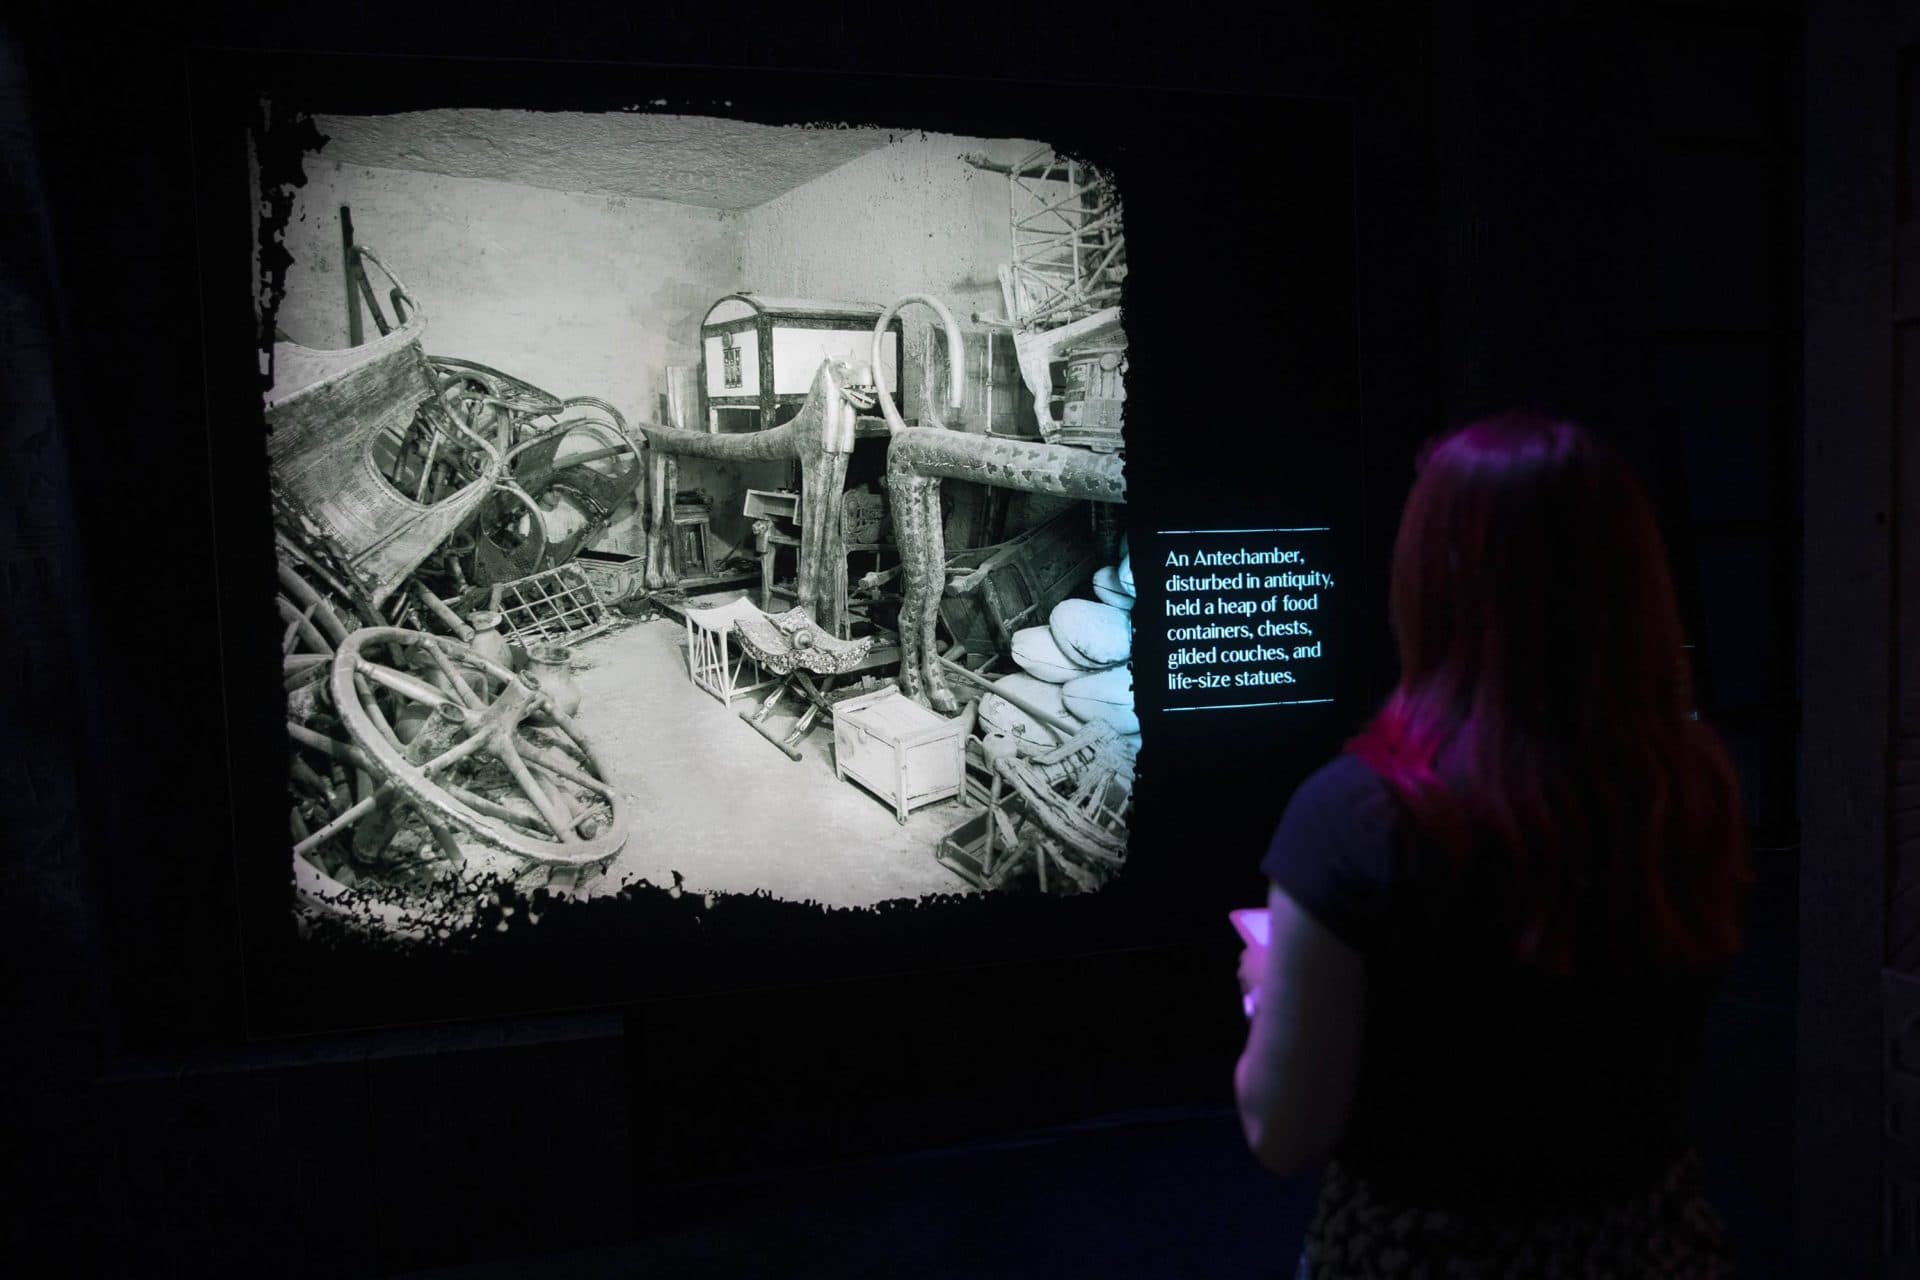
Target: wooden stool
<point>792,645</point>
<point>818,700</point>
<point>712,663</point>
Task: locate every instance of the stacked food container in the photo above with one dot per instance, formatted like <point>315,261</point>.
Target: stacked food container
<point>1076,669</point>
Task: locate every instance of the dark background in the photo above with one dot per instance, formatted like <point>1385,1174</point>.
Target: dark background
<point>1592,212</point>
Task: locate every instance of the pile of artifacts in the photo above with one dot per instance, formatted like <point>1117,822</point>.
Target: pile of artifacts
<point>1053,759</point>
<point>431,518</point>
<point>427,516</point>
<point>1051,755</point>
<point>1054,779</point>
<point>1074,669</point>
<point>1055,801</point>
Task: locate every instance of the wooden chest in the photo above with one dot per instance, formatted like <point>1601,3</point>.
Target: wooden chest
<point>897,749</point>
<point>758,355</point>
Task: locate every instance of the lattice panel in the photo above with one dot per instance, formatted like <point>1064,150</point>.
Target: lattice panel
<point>558,606</point>
<point>1069,249</point>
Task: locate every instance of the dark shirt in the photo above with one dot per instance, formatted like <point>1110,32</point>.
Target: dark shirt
<point>1482,1085</point>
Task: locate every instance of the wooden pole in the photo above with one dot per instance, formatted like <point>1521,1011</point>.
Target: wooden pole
<point>349,273</point>
<point>975,678</point>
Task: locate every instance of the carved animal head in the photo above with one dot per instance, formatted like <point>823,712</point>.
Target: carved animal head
<point>842,391</point>
<point>857,386</point>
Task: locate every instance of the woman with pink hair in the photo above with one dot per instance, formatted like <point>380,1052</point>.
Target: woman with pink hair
<point>1499,916</point>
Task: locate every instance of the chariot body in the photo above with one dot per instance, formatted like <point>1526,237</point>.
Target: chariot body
<point>417,757</point>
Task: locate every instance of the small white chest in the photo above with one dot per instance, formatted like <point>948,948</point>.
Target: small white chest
<point>897,749</point>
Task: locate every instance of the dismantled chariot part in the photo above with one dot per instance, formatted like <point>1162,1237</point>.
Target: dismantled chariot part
<point>414,757</point>
<point>440,764</point>
<point>397,462</point>
<point>373,805</point>
<point>569,467</point>
<point>426,730</point>
<point>1058,818</point>
<point>565,489</point>
<point>332,417</point>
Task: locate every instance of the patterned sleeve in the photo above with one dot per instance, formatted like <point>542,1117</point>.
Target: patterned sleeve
<point>1333,850</point>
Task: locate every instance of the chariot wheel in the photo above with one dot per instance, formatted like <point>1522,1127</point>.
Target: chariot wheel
<point>471,745</point>
<point>317,618</point>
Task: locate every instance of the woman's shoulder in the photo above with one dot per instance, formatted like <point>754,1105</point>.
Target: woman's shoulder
<point>1349,785</point>
<point>1344,803</point>
<point>1334,849</point>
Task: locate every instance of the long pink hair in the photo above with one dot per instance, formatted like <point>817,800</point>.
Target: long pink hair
<point>1542,715</point>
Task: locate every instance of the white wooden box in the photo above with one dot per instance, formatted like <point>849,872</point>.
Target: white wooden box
<point>897,749</point>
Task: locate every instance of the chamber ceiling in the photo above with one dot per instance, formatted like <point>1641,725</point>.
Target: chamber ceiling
<point>696,160</point>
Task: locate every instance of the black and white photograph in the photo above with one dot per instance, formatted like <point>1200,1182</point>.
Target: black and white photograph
<point>681,501</point>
